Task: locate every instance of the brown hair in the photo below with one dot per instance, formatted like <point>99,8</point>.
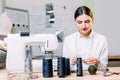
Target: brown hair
<point>83,10</point>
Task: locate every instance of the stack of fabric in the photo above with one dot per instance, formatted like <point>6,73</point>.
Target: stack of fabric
<point>5,29</point>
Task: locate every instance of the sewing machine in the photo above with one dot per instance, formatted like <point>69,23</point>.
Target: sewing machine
<point>17,47</point>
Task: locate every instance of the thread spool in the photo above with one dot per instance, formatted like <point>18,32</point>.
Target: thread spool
<point>28,60</point>
<point>92,69</point>
<point>47,68</point>
<point>28,65</point>
<point>61,67</point>
<point>79,67</point>
<point>67,66</point>
<point>24,34</point>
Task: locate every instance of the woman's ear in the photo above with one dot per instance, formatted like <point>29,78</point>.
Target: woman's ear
<point>93,19</point>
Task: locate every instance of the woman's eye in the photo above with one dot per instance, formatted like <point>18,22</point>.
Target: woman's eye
<point>87,21</point>
<point>79,22</point>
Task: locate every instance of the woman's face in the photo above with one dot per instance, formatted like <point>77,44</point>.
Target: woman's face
<point>84,24</point>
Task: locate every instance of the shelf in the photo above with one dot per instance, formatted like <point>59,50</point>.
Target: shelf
<point>113,58</point>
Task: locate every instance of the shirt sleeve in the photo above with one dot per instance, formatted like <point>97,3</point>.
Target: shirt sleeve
<point>65,51</point>
<point>66,54</point>
<point>103,57</point>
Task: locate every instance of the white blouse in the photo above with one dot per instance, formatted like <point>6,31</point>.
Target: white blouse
<point>95,45</point>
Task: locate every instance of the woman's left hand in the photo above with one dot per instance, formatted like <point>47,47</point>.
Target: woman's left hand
<point>92,60</point>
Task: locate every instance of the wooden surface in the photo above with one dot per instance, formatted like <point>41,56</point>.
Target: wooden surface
<point>114,57</point>
<point>86,76</point>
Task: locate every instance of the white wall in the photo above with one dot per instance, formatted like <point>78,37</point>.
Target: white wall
<point>1,6</point>
<point>63,10</point>
<point>64,17</point>
<point>107,22</point>
<point>106,13</point>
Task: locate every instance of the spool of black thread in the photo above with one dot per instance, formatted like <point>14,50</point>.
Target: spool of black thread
<point>79,67</point>
<point>61,67</point>
<point>47,68</point>
<point>24,34</point>
<point>67,66</point>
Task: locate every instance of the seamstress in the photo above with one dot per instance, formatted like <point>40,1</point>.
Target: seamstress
<point>85,43</point>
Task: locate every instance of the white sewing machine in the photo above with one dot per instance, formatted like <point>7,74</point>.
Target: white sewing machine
<point>16,50</point>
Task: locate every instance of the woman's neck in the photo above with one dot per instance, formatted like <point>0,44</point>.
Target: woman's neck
<point>86,34</point>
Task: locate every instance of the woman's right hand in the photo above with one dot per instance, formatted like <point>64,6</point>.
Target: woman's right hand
<point>74,59</point>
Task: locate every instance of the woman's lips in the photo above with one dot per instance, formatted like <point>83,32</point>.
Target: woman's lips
<point>84,29</point>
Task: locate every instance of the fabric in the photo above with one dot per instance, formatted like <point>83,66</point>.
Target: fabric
<point>95,45</point>
<point>5,29</point>
<point>2,37</point>
<point>5,24</point>
<point>2,56</point>
<point>2,65</point>
<point>2,59</point>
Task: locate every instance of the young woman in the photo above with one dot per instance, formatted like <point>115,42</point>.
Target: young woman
<point>87,44</point>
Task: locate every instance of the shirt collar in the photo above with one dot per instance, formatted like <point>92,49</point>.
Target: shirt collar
<point>90,35</point>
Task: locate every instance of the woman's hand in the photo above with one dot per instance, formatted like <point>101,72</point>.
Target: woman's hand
<point>74,59</point>
<point>92,60</point>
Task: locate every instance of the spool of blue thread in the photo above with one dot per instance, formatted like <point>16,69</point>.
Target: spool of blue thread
<point>67,66</point>
<point>79,67</point>
<point>47,68</point>
<point>61,67</point>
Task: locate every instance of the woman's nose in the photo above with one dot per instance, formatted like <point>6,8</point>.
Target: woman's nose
<point>83,25</point>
